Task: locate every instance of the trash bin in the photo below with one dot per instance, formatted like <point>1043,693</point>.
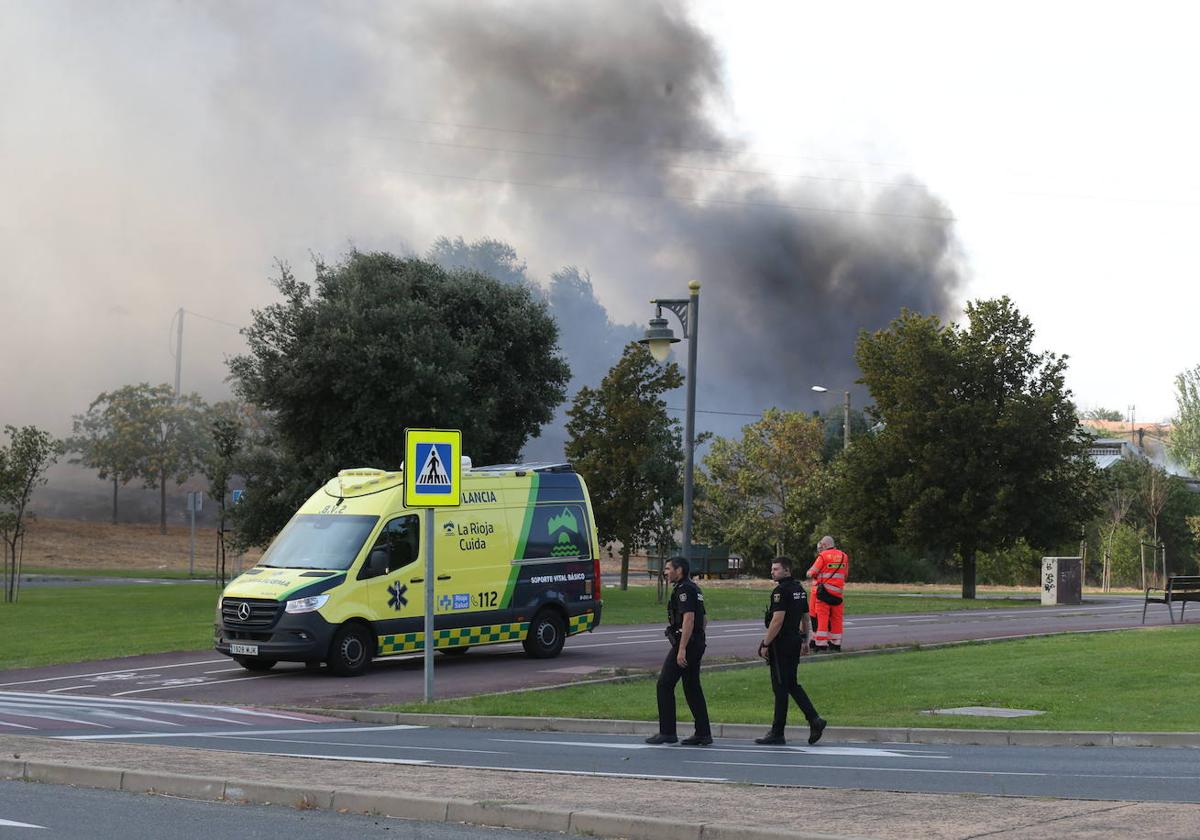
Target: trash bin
<point>1062,580</point>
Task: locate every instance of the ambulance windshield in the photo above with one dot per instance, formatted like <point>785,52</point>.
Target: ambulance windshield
<point>319,541</point>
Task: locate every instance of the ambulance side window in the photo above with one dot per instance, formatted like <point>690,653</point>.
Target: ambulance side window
<point>400,539</point>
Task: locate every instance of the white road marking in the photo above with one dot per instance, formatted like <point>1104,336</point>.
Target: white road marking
<point>224,670</point>
<point>22,713</point>
<point>15,824</point>
<point>362,745</point>
<point>349,758</point>
<point>879,769</point>
<point>143,735</point>
<point>867,752</point>
<point>68,688</point>
<point>194,685</point>
<point>555,772</point>
<point>160,706</point>
<point>112,715</point>
<point>17,725</point>
<point>105,673</point>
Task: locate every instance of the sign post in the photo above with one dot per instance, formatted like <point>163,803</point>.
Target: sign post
<point>432,479</point>
<point>195,502</point>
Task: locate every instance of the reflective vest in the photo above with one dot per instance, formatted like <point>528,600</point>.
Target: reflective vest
<point>831,568</point>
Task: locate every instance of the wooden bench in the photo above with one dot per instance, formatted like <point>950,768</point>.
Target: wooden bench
<point>1180,589</point>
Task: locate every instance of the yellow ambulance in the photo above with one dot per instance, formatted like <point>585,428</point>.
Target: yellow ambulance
<point>344,581</point>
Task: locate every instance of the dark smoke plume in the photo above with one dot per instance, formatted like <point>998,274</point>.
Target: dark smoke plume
<point>164,155</point>
<point>621,164</point>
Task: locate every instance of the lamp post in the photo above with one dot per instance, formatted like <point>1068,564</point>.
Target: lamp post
<point>659,339</point>
<point>820,389</point>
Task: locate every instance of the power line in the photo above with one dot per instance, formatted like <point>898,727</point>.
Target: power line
<point>667,196</point>
<point>727,151</point>
<point>722,150</point>
<point>214,320</point>
<point>722,170</point>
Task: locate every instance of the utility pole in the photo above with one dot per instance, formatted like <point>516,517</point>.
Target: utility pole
<point>178,351</point>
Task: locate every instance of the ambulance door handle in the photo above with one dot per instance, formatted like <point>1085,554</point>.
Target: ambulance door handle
<point>443,577</point>
<point>416,580</point>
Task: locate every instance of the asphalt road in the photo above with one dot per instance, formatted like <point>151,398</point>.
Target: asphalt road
<point>46,812</point>
<point>208,677</point>
<point>1069,772</point>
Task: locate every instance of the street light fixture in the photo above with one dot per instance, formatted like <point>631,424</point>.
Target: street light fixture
<point>659,338</point>
<point>821,389</point>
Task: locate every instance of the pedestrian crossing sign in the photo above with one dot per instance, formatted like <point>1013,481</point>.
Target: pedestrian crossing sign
<point>432,467</point>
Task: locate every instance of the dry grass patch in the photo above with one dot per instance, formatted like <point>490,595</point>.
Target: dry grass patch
<point>73,545</point>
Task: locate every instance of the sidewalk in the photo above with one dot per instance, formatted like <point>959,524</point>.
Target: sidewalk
<point>585,804</point>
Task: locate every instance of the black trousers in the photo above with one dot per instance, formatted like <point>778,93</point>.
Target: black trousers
<point>784,659</point>
<point>692,692</point>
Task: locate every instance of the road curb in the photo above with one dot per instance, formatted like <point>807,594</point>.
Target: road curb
<point>526,817</point>
<point>745,731</point>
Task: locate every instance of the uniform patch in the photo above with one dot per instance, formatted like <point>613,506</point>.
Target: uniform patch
<point>776,596</point>
<point>682,596</point>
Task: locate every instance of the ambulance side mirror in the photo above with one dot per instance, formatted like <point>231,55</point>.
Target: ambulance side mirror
<point>377,561</point>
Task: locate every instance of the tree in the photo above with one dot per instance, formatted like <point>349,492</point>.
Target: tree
<point>220,463</point>
<point>979,443</point>
<point>112,437</point>
<point>379,343</point>
<point>1185,437</point>
<point>1108,414</point>
<point>23,465</point>
<point>1117,501</point>
<point>761,494</point>
<point>629,450</point>
<point>176,440</point>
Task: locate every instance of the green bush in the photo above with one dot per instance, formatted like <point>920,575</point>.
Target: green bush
<point>1127,556</point>
<point>1018,565</point>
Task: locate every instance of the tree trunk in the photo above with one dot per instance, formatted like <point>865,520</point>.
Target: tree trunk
<point>114,500</point>
<point>968,578</point>
<point>162,496</point>
<point>624,566</point>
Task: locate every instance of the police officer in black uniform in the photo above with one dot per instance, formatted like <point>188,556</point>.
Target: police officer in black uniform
<point>685,630</point>
<point>786,640</point>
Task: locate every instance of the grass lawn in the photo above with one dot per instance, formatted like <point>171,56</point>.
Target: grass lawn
<point>639,605</point>
<point>73,624</point>
<point>50,625</point>
<point>1138,680</point>
<point>140,574</point>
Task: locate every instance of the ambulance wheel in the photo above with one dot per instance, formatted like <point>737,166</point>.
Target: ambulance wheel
<point>351,651</point>
<point>255,663</point>
<point>547,633</point>
<point>455,651</point>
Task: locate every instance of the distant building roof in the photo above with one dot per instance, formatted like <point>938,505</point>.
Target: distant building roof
<point>1107,451</point>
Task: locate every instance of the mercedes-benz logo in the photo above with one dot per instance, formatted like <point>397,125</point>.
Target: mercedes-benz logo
<point>244,611</point>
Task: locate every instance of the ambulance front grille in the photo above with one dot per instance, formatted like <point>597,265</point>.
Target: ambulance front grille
<point>262,613</point>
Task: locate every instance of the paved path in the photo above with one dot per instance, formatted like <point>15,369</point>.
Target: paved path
<point>57,812</point>
<point>1109,773</point>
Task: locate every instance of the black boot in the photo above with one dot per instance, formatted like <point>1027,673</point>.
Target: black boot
<point>661,739</point>
<point>815,727</point>
<point>697,741</point>
<point>772,738</point>
<point>835,648</point>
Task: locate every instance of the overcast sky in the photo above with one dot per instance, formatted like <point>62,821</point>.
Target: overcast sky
<point>156,156</point>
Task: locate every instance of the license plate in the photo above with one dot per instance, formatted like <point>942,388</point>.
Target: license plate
<point>245,650</point>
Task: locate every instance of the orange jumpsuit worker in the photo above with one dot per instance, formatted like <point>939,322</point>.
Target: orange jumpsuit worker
<point>829,584</point>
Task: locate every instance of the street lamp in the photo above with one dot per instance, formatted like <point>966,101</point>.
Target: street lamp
<point>820,389</point>
<point>659,339</point>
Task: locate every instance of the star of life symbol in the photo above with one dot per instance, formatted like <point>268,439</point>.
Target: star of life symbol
<point>444,602</point>
<point>397,592</point>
